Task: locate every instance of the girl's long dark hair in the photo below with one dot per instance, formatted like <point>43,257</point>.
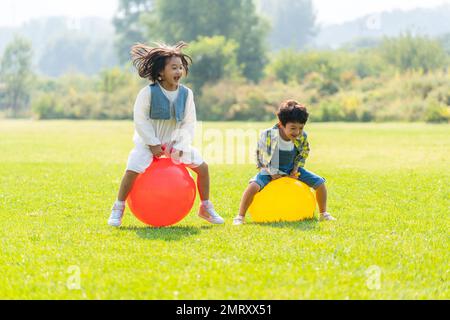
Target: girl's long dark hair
<point>150,61</point>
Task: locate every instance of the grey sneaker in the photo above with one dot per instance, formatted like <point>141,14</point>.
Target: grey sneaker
<point>115,220</point>
<point>326,217</point>
<point>208,213</point>
<point>239,220</point>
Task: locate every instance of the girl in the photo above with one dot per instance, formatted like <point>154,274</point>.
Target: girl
<point>164,118</point>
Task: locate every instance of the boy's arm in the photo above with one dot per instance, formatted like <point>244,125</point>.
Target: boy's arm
<point>184,136</point>
<point>300,160</point>
<point>260,163</point>
<point>142,121</point>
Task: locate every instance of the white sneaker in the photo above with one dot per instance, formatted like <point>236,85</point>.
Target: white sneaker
<point>208,213</point>
<point>239,220</point>
<point>326,217</point>
<point>115,220</point>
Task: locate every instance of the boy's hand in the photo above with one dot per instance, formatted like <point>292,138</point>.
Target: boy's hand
<point>273,176</point>
<point>157,151</point>
<point>294,173</point>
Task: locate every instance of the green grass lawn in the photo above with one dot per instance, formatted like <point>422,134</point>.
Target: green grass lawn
<point>388,186</point>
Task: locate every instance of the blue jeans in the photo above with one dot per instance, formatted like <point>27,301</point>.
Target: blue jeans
<point>307,177</point>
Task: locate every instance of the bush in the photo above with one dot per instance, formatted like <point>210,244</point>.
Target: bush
<point>216,100</point>
<point>437,113</point>
<point>109,96</point>
<point>290,65</point>
<point>331,111</point>
<point>409,52</point>
<point>335,85</point>
<point>47,106</point>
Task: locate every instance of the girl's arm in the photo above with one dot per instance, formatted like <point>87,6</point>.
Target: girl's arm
<point>184,136</point>
<point>142,121</point>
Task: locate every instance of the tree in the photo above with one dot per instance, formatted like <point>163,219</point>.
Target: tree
<point>16,74</point>
<point>214,59</point>
<point>76,52</point>
<point>293,22</point>
<point>129,25</point>
<point>234,19</point>
<point>445,42</point>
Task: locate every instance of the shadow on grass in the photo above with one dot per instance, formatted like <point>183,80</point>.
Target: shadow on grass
<point>305,225</point>
<point>175,233</point>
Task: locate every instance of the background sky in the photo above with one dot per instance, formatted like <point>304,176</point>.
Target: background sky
<point>15,12</point>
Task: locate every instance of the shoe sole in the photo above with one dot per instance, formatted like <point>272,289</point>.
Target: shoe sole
<point>212,222</point>
<point>114,225</point>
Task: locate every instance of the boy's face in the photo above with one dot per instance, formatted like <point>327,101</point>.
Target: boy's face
<point>173,72</point>
<point>292,130</point>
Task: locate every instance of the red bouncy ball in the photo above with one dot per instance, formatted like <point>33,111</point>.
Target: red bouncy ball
<point>163,195</point>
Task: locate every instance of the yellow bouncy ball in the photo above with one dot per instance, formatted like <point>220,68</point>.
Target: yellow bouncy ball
<point>284,199</point>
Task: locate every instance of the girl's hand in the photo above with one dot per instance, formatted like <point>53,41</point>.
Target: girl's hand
<point>172,152</point>
<point>177,154</point>
<point>276,176</point>
<point>294,173</point>
<point>157,151</point>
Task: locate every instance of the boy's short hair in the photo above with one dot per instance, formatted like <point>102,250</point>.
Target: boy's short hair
<point>292,111</point>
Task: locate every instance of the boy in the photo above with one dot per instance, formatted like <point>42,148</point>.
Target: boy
<point>282,151</point>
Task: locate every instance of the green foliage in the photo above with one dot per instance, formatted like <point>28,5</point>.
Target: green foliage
<point>341,85</point>
<point>412,96</point>
<point>48,106</point>
<point>16,75</point>
<point>110,96</point>
<point>290,65</point>
<point>83,44</point>
<point>437,113</point>
<point>401,98</point>
<point>113,80</point>
<point>330,111</point>
<point>409,52</point>
<point>445,42</point>
<point>75,54</point>
<point>235,100</point>
<point>293,22</point>
<point>129,25</point>
<point>332,67</point>
<point>190,19</point>
<point>214,58</point>
<point>361,43</point>
<point>73,105</point>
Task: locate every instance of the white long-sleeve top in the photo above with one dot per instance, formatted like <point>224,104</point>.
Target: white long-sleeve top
<point>152,132</point>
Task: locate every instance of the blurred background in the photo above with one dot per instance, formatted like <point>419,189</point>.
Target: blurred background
<point>352,60</point>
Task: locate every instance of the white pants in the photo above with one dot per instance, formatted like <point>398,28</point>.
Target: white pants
<point>141,158</point>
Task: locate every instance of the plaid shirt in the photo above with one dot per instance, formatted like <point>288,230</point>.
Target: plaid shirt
<point>267,145</point>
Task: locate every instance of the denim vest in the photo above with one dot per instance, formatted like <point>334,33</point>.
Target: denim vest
<point>284,159</point>
<point>160,104</point>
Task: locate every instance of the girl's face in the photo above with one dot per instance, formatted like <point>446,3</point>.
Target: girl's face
<point>173,72</point>
<point>292,130</point>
